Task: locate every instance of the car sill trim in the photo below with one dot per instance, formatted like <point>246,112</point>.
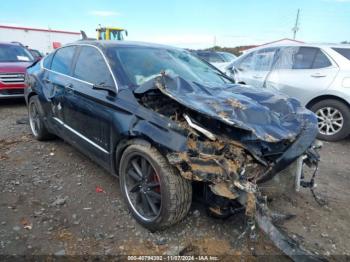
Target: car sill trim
<point>80,135</point>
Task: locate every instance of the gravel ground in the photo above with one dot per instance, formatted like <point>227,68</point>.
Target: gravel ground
<point>49,205</point>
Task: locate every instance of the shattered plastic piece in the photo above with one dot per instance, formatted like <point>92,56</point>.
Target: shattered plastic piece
<point>28,227</point>
<point>286,244</point>
<point>26,224</point>
<point>100,190</point>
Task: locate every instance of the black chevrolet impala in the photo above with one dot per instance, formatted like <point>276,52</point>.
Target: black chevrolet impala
<point>167,123</point>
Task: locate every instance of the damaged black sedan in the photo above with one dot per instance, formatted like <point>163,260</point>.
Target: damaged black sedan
<point>163,121</point>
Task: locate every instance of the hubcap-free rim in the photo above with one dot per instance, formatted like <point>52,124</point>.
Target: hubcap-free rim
<point>330,120</point>
<point>142,187</point>
<point>34,119</point>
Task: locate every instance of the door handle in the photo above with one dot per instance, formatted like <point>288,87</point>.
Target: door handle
<point>317,75</point>
<point>257,77</point>
<point>47,81</point>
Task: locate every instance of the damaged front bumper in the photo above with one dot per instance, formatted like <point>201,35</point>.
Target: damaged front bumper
<point>230,169</point>
<point>236,175</point>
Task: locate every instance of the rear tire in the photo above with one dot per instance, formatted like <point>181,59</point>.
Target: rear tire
<point>36,122</point>
<point>171,199</point>
<point>333,119</point>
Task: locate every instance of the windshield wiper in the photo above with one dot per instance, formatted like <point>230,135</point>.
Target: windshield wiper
<point>219,73</point>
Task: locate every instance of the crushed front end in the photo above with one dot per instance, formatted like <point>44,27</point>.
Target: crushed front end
<point>237,138</point>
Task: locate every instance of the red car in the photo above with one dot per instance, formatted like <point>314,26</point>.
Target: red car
<point>14,59</point>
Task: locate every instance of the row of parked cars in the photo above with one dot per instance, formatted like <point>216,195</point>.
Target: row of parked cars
<point>317,75</point>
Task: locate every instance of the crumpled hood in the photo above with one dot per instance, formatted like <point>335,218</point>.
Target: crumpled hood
<point>269,116</point>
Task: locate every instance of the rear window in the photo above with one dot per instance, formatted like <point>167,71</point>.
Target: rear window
<point>343,51</point>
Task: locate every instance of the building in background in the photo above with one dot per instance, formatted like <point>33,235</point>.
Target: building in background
<point>44,40</point>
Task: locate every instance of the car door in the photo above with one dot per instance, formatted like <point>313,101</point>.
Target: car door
<point>302,72</point>
<point>56,81</point>
<point>85,112</point>
<point>262,64</point>
<point>243,69</point>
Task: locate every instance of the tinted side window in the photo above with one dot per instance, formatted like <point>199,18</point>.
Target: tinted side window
<point>263,59</point>
<point>343,51</point>
<point>321,60</point>
<point>92,68</point>
<point>246,62</point>
<point>304,58</point>
<point>62,60</point>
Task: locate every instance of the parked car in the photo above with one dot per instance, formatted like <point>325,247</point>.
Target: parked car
<point>160,118</point>
<point>229,57</point>
<point>14,59</point>
<point>36,54</point>
<point>218,59</point>
<point>317,75</point>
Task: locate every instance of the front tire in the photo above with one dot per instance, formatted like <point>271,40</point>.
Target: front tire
<point>155,193</point>
<point>333,119</point>
<point>36,123</point>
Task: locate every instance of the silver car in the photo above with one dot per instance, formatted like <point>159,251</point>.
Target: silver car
<point>317,75</point>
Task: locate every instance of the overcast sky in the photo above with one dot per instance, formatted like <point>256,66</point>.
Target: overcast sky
<point>189,23</point>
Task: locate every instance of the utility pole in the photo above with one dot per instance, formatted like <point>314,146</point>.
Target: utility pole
<point>295,29</point>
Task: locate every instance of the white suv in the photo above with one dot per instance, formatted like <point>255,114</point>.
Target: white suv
<point>317,75</point>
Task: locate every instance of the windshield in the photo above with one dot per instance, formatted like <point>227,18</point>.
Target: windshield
<point>141,64</point>
<point>14,53</point>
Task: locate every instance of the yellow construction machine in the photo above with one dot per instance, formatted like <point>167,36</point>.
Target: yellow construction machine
<point>111,33</point>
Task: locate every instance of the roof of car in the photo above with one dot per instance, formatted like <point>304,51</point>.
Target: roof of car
<point>323,45</point>
<point>11,43</point>
<point>109,43</point>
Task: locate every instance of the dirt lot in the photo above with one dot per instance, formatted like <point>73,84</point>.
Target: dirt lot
<point>49,205</point>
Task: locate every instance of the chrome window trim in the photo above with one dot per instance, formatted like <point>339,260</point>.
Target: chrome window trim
<point>74,78</point>
<point>100,51</point>
<point>80,135</point>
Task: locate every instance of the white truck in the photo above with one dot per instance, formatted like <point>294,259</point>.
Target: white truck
<point>44,40</point>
